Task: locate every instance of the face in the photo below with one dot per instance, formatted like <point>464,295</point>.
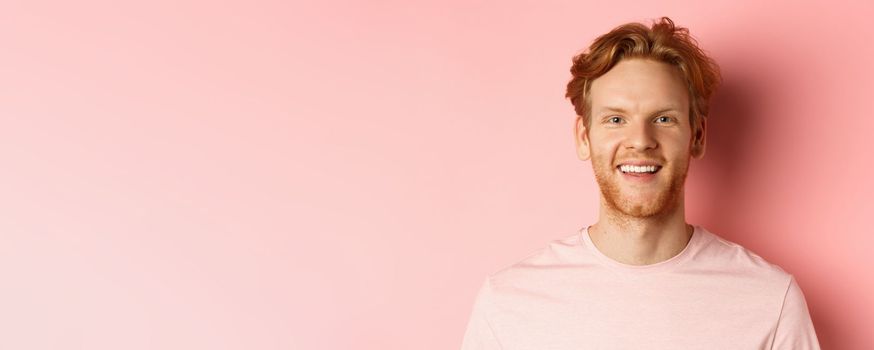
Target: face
<point>639,137</point>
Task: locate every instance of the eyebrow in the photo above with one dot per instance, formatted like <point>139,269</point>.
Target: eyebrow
<point>621,110</point>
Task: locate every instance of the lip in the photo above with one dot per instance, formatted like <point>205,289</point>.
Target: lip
<point>639,177</point>
<point>639,163</point>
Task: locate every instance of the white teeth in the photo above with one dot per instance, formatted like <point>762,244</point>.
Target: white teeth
<point>638,169</point>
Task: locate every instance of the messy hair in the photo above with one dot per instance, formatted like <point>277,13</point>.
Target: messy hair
<point>662,42</point>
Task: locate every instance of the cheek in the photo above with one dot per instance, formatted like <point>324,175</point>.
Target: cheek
<point>603,154</point>
<point>676,143</point>
<point>603,144</point>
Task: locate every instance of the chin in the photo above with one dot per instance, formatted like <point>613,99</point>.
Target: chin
<point>641,211</point>
<point>641,202</point>
<point>643,206</point>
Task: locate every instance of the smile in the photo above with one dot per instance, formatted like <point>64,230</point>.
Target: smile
<point>643,173</point>
<point>639,169</point>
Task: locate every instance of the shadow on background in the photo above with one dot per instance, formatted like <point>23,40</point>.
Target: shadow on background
<point>731,146</point>
<point>737,146</point>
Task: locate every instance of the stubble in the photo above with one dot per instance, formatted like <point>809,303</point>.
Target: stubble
<point>665,202</point>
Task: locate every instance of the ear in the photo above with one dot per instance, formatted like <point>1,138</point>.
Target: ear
<point>699,138</point>
<point>581,139</point>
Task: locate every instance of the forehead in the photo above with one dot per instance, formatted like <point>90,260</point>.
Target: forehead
<point>639,85</point>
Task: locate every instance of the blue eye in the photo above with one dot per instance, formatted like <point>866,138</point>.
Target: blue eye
<point>664,119</point>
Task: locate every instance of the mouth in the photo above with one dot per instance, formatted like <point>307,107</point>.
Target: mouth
<point>639,173</point>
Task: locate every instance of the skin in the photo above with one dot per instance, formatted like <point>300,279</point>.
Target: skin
<point>640,111</point>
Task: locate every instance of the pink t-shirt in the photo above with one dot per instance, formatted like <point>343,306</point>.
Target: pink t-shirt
<point>715,294</point>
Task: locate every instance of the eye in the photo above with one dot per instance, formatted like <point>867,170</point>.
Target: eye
<point>664,119</point>
<point>614,120</point>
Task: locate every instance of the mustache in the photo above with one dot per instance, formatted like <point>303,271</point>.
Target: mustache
<point>641,158</point>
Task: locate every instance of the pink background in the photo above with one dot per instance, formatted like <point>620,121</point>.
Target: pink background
<point>241,175</point>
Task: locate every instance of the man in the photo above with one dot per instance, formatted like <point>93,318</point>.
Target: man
<point>641,277</point>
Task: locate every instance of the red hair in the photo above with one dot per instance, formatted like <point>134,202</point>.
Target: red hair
<point>662,42</point>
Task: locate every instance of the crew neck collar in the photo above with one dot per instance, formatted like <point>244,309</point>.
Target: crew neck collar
<point>682,256</point>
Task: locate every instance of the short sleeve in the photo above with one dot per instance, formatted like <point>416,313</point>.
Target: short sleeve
<point>794,326</point>
<point>479,334</point>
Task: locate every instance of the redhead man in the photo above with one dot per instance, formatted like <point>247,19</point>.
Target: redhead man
<point>641,277</point>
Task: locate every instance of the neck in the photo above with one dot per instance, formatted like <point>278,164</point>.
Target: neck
<point>641,241</point>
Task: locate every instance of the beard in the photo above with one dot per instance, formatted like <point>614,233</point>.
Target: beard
<point>661,198</point>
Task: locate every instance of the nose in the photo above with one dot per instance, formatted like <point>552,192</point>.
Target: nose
<point>641,137</point>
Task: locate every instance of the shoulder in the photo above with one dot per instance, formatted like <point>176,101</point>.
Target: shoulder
<point>551,258</point>
<point>724,256</point>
